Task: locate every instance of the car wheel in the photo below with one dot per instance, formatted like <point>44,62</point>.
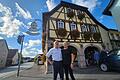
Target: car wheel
<point>104,67</point>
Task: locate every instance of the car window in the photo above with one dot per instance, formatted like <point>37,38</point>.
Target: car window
<point>118,52</point>
<point>114,52</point>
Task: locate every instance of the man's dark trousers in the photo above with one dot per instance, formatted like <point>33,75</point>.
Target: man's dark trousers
<point>58,68</point>
<point>67,70</point>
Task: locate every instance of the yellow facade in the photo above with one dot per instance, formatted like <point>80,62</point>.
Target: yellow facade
<point>59,13</point>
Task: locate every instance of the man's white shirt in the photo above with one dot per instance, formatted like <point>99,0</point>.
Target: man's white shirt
<point>55,53</point>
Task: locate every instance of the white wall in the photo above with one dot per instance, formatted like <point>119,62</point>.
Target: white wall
<point>3,53</point>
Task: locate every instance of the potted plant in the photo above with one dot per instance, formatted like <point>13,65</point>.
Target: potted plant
<point>87,35</point>
<point>96,36</point>
<point>80,15</point>
<point>75,34</point>
<point>61,32</point>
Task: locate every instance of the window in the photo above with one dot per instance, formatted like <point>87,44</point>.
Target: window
<point>73,26</point>
<point>80,12</point>
<point>112,36</point>
<point>92,28</point>
<point>118,37</point>
<point>60,24</point>
<point>84,28</point>
<point>118,52</point>
<point>113,52</point>
<point>69,10</point>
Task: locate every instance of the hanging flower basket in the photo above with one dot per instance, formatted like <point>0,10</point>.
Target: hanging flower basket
<point>61,32</point>
<point>81,16</point>
<point>43,58</point>
<point>75,34</point>
<point>87,35</point>
<point>70,13</point>
<point>96,36</point>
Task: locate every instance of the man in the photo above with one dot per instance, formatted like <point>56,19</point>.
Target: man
<point>68,59</point>
<point>96,57</point>
<point>56,54</point>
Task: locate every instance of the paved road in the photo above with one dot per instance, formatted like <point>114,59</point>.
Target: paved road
<point>9,71</point>
<point>91,73</point>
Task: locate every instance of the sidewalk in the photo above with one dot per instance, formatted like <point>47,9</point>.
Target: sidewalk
<point>12,70</point>
<point>37,73</point>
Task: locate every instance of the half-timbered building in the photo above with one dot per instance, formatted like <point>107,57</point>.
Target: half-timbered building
<point>75,24</point>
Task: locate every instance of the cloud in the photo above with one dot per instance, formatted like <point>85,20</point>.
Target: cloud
<point>50,4</point>
<point>91,4</point>
<point>38,13</point>
<point>101,18</point>
<point>22,12</point>
<point>34,43</point>
<point>11,25</point>
<point>10,47</point>
<point>31,52</point>
<point>30,49</point>
<point>1,37</point>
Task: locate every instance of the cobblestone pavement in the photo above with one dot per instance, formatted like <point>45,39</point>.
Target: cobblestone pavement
<point>91,73</point>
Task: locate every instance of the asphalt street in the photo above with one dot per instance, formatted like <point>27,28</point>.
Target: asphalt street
<point>37,72</point>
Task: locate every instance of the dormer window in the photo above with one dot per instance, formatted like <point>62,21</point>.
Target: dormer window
<point>73,26</point>
<point>60,24</point>
<point>69,10</point>
<point>70,13</point>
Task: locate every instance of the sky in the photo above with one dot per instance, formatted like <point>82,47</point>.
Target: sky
<point>17,15</point>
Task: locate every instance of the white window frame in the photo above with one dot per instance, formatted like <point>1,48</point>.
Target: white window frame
<point>92,28</point>
<point>84,28</point>
<point>73,26</point>
<point>60,24</point>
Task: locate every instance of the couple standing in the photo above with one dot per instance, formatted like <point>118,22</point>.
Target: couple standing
<point>62,60</point>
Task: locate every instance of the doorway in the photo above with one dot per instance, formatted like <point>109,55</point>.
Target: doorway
<point>89,55</point>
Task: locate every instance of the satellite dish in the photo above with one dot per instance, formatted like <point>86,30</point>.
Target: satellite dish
<point>33,29</point>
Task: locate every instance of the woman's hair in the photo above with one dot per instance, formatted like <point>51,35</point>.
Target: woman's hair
<point>66,42</point>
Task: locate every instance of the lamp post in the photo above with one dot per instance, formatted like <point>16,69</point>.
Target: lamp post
<point>31,31</point>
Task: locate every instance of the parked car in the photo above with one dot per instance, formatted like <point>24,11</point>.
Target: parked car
<point>39,59</point>
<point>111,61</point>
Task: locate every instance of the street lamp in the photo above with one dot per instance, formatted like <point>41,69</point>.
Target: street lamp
<point>31,31</point>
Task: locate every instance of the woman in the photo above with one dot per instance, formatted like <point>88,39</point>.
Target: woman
<point>68,59</point>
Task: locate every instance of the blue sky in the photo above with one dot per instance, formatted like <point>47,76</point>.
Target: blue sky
<point>16,16</point>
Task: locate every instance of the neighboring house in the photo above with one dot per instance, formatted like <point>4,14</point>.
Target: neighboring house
<point>3,53</point>
<point>114,38</point>
<point>75,24</point>
<point>15,59</point>
<point>113,9</point>
<point>12,57</point>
